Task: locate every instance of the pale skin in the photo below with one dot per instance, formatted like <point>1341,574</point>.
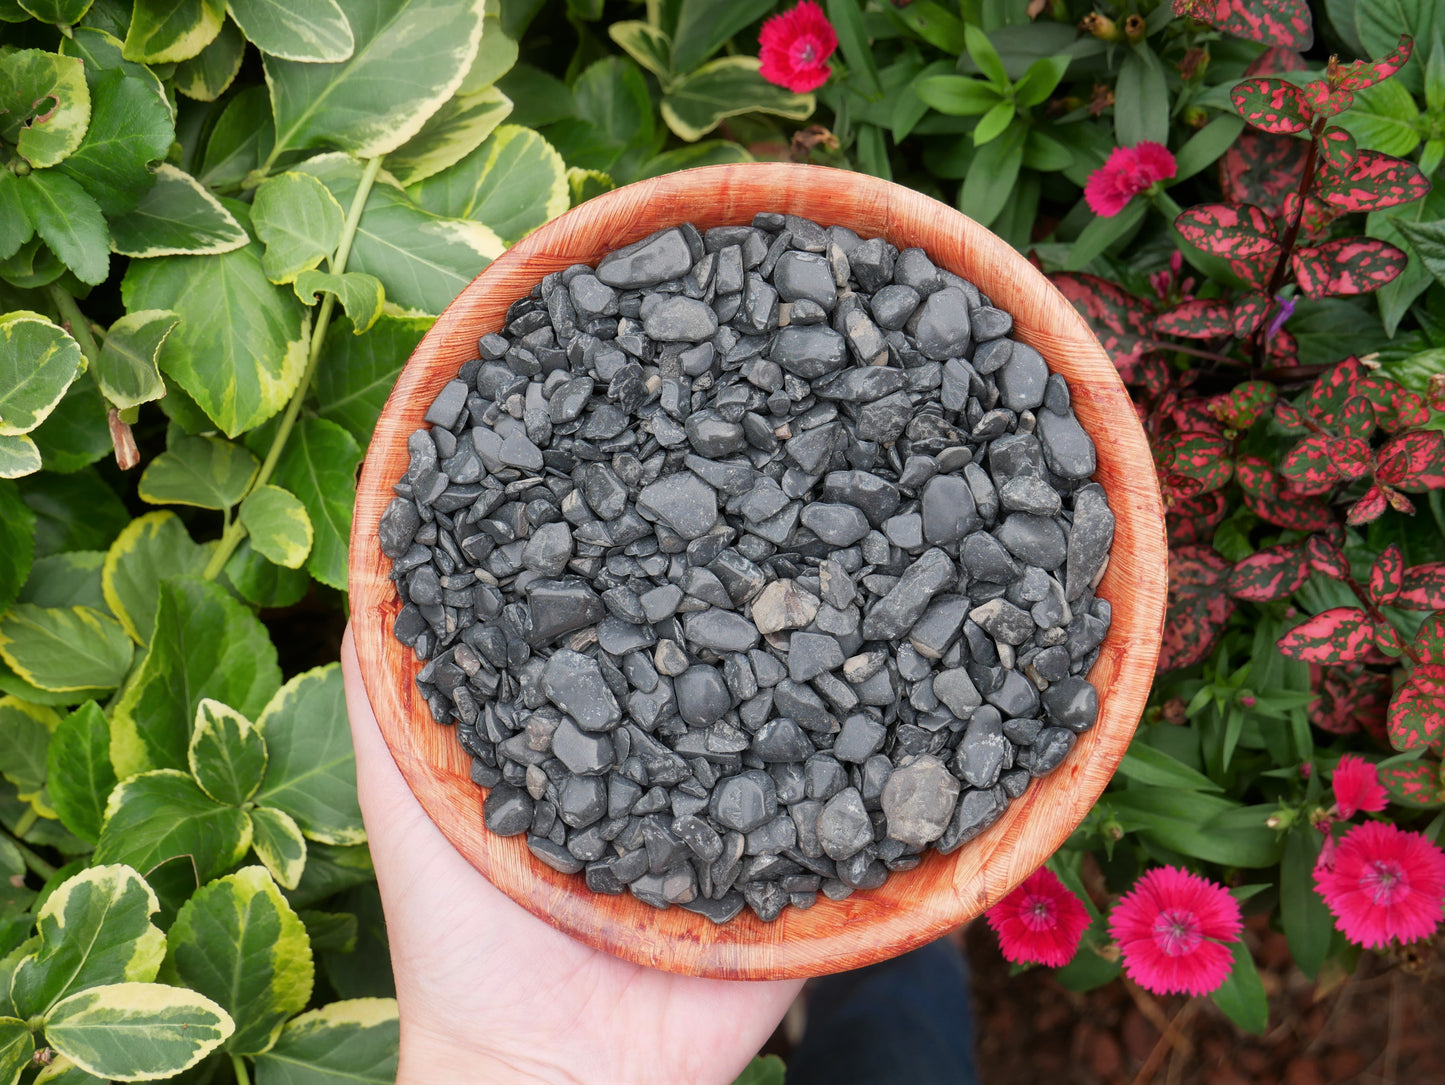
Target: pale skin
<point>489,993</point>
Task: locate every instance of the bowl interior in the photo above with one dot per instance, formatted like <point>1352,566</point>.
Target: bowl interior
<point>913,907</point>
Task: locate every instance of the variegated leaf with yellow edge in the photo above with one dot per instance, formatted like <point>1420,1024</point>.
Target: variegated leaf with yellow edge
<point>137,1031</point>
<point>227,754</point>
<point>149,549</point>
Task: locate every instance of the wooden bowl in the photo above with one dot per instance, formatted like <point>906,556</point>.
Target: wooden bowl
<point>912,908</point>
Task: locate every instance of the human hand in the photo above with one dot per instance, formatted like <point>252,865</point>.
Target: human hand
<point>489,993</point>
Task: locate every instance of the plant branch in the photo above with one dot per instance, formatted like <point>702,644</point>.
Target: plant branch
<point>79,326</point>
<point>37,865</point>
<point>1291,233</point>
<point>236,531</point>
<point>239,1065</point>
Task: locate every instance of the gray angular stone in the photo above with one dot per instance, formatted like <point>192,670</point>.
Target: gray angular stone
<point>949,512</point>
<point>1068,450</point>
<point>1034,540</point>
<point>844,828</point>
<point>811,449</point>
<point>918,801</point>
<point>1023,380</point>
<point>683,502</point>
<point>873,495</point>
<point>712,436</point>
<point>938,629</point>
<point>744,802</point>
<point>446,410</point>
<point>561,606</point>
<point>812,654</point>
<point>549,550</point>
<point>893,616</point>
<point>884,420</point>
<point>683,319</point>
<point>1090,537</point>
<point>1072,702</point>
<point>517,451</point>
<point>585,753</point>
<point>702,695</point>
<point>805,275</point>
<point>986,559</point>
<point>871,262</point>
<point>905,531</point>
<point>1015,695</point>
<point>720,630</point>
<point>659,604</point>
<point>957,691</point>
<point>982,752</point>
<point>1003,621</point>
<point>574,683</point>
<point>862,383</point>
<point>835,524</point>
<point>860,738</point>
<point>581,800</point>
<point>1032,495</point>
<point>941,325</point>
<point>783,605</point>
<point>798,702</point>
<point>655,259</point>
<point>810,351</point>
<point>398,527</point>
<point>782,740</point>
<point>1049,750</point>
<point>507,810</point>
<point>894,304</point>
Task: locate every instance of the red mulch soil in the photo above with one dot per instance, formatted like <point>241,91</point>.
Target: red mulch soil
<point>1381,1026</point>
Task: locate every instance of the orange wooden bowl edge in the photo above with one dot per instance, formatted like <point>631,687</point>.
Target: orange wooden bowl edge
<point>944,891</point>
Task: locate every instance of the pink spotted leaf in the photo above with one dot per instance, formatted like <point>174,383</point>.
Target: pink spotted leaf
<point>1387,576</point>
<point>1366,73</point>
<point>1326,557</point>
<point>1274,22</point>
<point>1271,105</point>
<point>1415,783</point>
<point>1266,496</point>
<point>1417,711</point>
<point>1244,404</point>
<point>1348,265</point>
<point>1370,182</point>
<point>1337,635</point>
<point>1310,465</point>
<point>1422,587</point>
<point>1274,573</point>
<point>1197,318</point>
<point>1242,234</point>
<point>1198,607</point>
<point>1413,461</point>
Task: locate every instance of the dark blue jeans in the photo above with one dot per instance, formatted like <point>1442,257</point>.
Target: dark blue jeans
<point>903,1022</point>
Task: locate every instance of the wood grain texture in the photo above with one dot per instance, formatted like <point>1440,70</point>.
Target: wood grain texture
<point>944,891</point>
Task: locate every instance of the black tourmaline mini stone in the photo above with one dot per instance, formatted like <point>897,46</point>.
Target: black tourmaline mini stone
<point>751,563</point>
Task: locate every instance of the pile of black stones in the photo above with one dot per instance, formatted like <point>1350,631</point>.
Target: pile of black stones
<point>751,563</point>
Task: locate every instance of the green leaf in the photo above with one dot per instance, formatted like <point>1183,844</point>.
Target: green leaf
<point>410,57</point>
<point>991,178</point>
<point>66,580</point>
<point>361,295</point>
<point>126,369</point>
<point>711,152</point>
<point>331,870</point>
<point>1045,154</point>
<point>207,472</point>
<point>17,1046</point>
<point>168,30</point>
<point>77,433</point>
<point>1396,296</point>
<point>1306,919</point>
<point>934,24</point>
<point>538,97</point>
<point>1380,23</point>
<point>131,126</point>
<point>278,843</point>
<point>449,135</point>
<point>263,583</point>
<point>1141,99</point>
<point>61,649</point>
<point>330,932</point>
<point>242,137</point>
<point>764,1069</point>
<point>73,512</point>
<point>32,78</point>
<point>1102,232</point>
<point>149,549</point>
<point>176,217</point>
<point>584,184</point>
<point>847,19</point>
<point>205,645</point>
<point>1040,80</point>
<point>17,543</point>
<point>1384,118</point>
<point>704,26</point>
<point>724,88</point>
<point>1242,996</point>
<point>62,1071</point>
<point>15,226</point>
<point>423,261</point>
<point>279,527</point>
<point>356,374</point>
<point>18,456</point>
<point>319,466</point>
<point>992,124</point>
<point>513,183</point>
<point>68,220</point>
<point>299,222</point>
<point>240,348</point>
<point>207,75</point>
<point>956,95</point>
<point>239,943</point>
<point>227,755</point>
<point>353,1041</point>
<point>1149,765</point>
<point>38,361</point>
<point>24,737</point>
<point>645,44</point>
<point>495,56</point>
<point>79,772</point>
<point>311,771</point>
<point>136,1031</point>
<point>1206,145</point>
<point>307,30</point>
<point>94,929</point>
<point>982,52</point>
<point>157,816</point>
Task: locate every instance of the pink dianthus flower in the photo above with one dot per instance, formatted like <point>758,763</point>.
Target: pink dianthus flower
<point>1040,922</point>
<point>794,48</point>
<point>1383,884</point>
<point>1357,787</point>
<point>1172,928</point>
<point>1129,171</point>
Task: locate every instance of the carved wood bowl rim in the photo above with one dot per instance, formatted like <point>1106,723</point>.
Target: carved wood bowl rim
<point>913,907</point>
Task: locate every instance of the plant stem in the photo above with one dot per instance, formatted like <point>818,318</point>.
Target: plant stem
<point>1291,233</point>
<point>79,326</point>
<point>236,531</point>
<point>26,822</point>
<point>33,861</point>
<point>239,1065</point>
